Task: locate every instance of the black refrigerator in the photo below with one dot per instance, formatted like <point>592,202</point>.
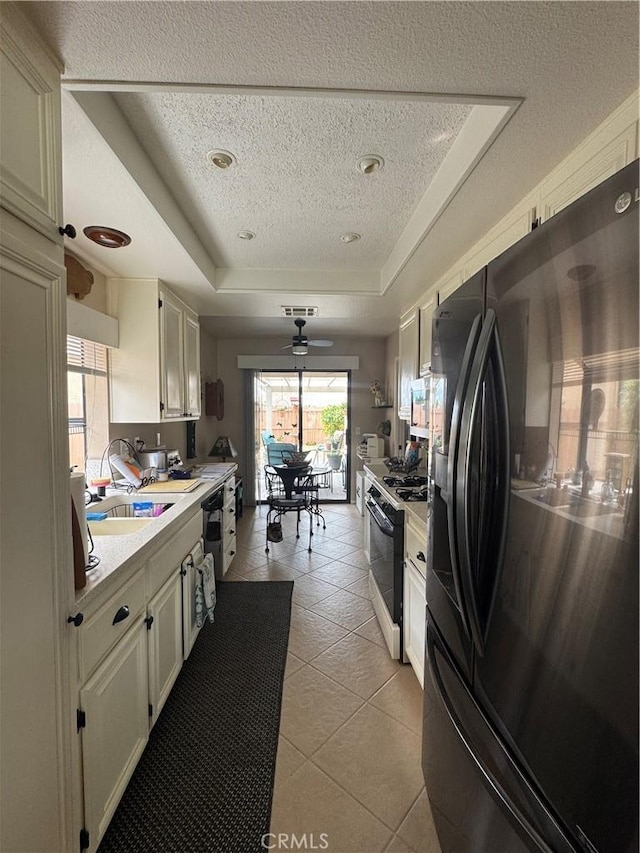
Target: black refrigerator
<point>530,738</point>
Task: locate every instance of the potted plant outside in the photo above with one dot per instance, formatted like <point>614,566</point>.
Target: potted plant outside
<point>332,418</point>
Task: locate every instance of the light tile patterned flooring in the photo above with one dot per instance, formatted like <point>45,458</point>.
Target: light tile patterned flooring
<point>349,751</point>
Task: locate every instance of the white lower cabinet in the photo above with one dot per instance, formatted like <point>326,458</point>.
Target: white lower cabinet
<point>414,607</point>
<point>164,621</point>
<point>228,546</point>
<point>130,652</point>
<point>115,705</point>
<point>414,615</point>
<point>360,492</point>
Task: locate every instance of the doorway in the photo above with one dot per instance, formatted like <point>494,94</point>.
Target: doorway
<point>304,410</point>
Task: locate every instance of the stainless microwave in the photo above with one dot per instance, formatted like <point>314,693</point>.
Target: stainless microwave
<point>419,423</point>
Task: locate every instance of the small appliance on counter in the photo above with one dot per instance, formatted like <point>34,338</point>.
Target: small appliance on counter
<point>371,446</point>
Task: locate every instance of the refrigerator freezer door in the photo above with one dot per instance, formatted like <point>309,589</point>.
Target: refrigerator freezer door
<point>559,673</point>
<point>480,800</point>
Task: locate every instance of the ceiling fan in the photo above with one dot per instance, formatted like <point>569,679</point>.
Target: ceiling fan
<point>300,343</point>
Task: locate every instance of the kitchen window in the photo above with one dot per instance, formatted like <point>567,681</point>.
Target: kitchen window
<point>88,403</point>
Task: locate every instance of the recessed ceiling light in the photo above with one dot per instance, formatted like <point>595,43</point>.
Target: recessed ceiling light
<point>110,238</point>
<point>582,272</point>
<point>350,237</point>
<point>370,163</point>
<point>221,159</point>
<point>246,235</point>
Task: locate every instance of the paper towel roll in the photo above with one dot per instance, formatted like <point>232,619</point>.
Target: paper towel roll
<point>77,496</point>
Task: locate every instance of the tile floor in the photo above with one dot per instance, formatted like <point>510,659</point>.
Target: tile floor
<point>349,752</point>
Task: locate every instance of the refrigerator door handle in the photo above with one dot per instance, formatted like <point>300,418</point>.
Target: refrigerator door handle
<point>559,839</point>
<point>452,464</point>
<point>488,345</point>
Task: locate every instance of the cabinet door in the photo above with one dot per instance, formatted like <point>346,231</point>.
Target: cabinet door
<point>508,231</point>
<point>165,642</point>
<point>449,285</point>
<point>30,158</point>
<point>115,701</point>
<point>192,365</point>
<point>414,612</point>
<point>426,310</point>
<point>172,357</point>
<point>408,362</point>
<point>574,178</point>
<point>360,491</point>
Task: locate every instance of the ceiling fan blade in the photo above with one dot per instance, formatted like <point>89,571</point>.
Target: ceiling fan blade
<point>320,343</point>
<point>287,346</point>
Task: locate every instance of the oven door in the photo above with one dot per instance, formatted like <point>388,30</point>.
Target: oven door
<point>385,575</point>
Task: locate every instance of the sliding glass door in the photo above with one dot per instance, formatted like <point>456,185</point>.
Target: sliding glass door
<point>304,410</point>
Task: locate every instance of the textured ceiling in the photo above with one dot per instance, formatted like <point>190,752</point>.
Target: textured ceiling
<point>295,182</point>
<point>571,63</point>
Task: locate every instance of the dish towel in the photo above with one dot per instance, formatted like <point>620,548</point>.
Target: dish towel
<point>205,591</point>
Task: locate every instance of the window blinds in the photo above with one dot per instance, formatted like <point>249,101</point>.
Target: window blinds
<point>86,357</point>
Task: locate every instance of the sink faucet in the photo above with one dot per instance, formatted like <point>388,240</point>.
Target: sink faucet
<point>587,479</point>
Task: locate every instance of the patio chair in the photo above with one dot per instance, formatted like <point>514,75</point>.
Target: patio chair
<point>299,500</point>
<point>277,452</point>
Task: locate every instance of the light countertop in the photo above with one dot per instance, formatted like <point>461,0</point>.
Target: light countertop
<point>119,553</point>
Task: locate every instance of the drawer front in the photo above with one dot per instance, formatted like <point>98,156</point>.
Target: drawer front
<point>103,630</point>
<point>228,555</point>
<point>229,527</point>
<point>229,515</point>
<point>416,548</point>
<point>230,492</point>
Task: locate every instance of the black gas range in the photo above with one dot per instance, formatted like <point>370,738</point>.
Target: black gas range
<point>385,504</point>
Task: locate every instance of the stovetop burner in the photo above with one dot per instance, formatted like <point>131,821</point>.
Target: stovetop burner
<point>413,494</point>
<point>405,481</point>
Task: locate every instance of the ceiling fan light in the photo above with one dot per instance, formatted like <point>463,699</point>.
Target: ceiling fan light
<point>300,349</point>
<point>221,159</point>
<point>369,164</point>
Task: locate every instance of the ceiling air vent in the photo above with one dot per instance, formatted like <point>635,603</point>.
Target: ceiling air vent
<point>298,311</point>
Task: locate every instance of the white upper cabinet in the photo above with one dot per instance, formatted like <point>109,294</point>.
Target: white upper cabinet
<point>30,161</point>
<point>154,375</point>
<point>192,365</point>
<point>426,311</point>
<point>409,368</point>
<point>509,230</point>
<point>172,355</point>
<point>447,285</point>
<point>615,149</point>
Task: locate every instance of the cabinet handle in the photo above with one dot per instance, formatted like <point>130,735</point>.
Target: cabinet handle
<point>421,557</point>
<point>231,509</point>
<point>149,622</point>
<point>68,230</point>
<point>231,553</point>
<point>121,614</point>
<point>231,532</point>
<point>76,620</point>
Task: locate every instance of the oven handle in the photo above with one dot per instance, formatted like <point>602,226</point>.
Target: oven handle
<point>380,519</point>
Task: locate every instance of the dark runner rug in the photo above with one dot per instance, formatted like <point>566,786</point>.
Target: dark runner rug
<point>205,780</point>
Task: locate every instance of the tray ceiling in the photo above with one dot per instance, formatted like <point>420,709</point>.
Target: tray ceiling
<point>298,98</point>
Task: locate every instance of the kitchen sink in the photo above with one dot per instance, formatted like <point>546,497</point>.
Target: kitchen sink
<point>574,504</point>
<point>118,526</point>
<point>122,518</point>
<point>121,506</point>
